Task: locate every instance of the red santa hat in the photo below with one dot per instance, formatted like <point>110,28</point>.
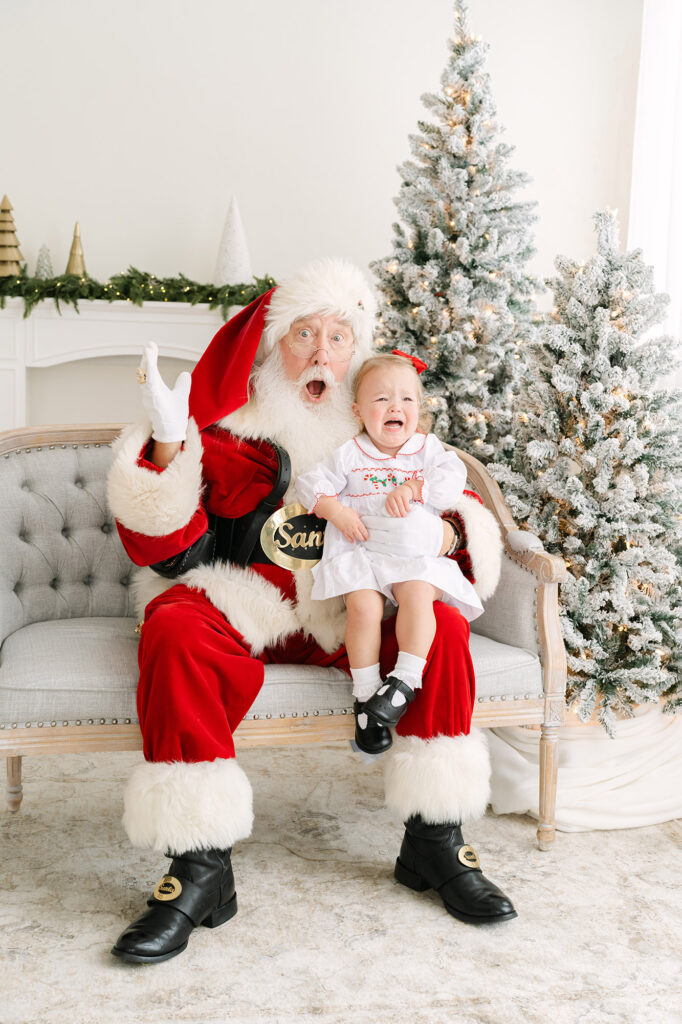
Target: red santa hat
<point>220,380</point>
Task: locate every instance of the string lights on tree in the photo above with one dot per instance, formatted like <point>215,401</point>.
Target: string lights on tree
<point>457,273</point>
<point>596,473</point>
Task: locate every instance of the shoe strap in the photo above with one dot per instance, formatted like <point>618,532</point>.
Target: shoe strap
<point>187,897</point>
<point>397,684</point>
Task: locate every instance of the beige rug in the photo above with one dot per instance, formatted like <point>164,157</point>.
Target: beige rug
<point>324,933</point>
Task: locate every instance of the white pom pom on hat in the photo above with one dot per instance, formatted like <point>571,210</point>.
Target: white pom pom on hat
<point>324,287</point>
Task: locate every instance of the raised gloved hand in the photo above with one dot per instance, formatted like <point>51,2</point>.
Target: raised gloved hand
<point>420,533</point>
<point>168,410</point>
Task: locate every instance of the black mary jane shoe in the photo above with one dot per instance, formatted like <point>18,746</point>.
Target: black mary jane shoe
<point>436,857</point>
<point>198,890</point>
<point>370,736</point>
<point>382,708</point>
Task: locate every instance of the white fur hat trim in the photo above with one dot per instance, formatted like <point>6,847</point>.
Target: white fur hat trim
<point>324,287</point>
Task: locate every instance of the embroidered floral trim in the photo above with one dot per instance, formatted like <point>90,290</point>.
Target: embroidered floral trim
<point>389,478</point>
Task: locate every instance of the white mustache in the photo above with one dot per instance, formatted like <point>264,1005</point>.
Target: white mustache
<point>317,373</point>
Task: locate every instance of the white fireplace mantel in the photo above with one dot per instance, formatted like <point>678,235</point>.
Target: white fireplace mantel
<point>46,338</point>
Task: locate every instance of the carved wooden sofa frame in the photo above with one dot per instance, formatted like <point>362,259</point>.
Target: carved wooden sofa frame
<point>545,711</point>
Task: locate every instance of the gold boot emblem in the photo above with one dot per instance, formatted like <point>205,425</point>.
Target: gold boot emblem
<point>169,888</point>
<point>467,855</point>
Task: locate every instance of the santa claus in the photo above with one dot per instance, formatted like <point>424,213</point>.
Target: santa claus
<point>191,488</point>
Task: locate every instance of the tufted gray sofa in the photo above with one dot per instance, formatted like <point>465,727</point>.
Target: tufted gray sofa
<point>68,646</point>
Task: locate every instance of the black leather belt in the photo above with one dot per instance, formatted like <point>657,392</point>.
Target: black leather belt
<point>233,540</point>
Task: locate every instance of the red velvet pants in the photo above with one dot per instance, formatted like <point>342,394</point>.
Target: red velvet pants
<point>198,677</point>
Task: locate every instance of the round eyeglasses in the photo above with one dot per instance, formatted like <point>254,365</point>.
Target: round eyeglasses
<point>339,350</point>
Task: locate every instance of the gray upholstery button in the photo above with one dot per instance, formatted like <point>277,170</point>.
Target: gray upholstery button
<point>79,482</point>
<point>54,583</point>
<point>106,527</point>
<point>125,581</point>
<point>24,536</point>
<point>87,580</point>
<point>25,486</point>
<point>66,532</point>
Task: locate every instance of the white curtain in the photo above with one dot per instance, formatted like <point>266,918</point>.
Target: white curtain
<point>655,222</point>
<point>632,780</point>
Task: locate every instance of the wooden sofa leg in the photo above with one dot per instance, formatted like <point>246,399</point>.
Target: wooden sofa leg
<point>549,764</point>
<point>15,790</point>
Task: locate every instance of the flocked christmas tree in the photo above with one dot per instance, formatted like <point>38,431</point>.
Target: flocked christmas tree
<point>596,474</point>
<point>456,291</point>
<point>44,264</point>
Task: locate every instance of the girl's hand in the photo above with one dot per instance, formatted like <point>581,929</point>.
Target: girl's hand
<point>349,523</point>
<point>398,501</point>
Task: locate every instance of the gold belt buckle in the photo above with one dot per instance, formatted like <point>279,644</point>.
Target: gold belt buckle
<point>293,538</point>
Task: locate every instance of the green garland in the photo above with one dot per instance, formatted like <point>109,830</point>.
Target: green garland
<point>135,286</point>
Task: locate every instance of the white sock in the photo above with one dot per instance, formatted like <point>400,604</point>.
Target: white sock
<point>409,668</point>
<point>366,681</point>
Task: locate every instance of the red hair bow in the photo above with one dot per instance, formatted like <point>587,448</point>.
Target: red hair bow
<point>418,364</point>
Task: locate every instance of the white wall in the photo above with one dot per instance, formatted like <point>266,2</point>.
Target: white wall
<point>139,119</point>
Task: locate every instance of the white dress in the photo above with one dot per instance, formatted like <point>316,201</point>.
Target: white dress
<point>361,476</point>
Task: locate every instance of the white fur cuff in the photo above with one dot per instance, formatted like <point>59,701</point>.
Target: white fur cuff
<point>249,602</point>
<point>154,504</point>
<point>446,779</point>
<point>175,807</point>
<point>483,543</point>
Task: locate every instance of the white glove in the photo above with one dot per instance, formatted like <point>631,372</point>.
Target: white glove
<point>419,533</point>
<point>168,410</point>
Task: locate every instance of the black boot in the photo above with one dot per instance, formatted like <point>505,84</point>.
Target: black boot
<point>370,736</point>
<point>381,707</point>
<point>199,889</point>
<point>436,857</point>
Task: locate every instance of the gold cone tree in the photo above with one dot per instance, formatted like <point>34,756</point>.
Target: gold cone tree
<point>76,264</point>
<point>10,255</point>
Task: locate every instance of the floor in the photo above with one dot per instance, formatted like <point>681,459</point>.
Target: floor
<point>324,933</point>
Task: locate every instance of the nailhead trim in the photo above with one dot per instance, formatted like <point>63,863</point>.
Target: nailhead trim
<point>54,725</point>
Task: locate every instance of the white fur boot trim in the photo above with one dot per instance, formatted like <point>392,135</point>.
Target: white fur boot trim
<point>446,779</point>
<point>176,806</point>
<point>250,603</point>
<point>151,503</point>
<point>484,544</point>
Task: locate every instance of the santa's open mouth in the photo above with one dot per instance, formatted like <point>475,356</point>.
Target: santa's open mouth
<point>315,388</point>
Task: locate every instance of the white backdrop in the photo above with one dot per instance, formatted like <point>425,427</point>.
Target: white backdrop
<point>140,120</point>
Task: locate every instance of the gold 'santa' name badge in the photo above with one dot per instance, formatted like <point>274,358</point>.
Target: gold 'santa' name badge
<point>293,538</point>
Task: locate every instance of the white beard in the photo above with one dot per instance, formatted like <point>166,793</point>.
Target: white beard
<point>309,433</point>
<point>276,411</point>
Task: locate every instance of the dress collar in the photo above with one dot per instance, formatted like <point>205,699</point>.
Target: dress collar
<point>413,445</point>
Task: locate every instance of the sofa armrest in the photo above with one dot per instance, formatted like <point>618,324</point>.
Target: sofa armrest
<point>524,610</point>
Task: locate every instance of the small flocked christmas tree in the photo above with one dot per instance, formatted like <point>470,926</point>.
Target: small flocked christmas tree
<point>44,269</point>
<point>456,291</point>
<point>10,255</point>
<point>596,474</point>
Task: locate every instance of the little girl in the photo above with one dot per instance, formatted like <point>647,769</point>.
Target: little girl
<point>386,469</point>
